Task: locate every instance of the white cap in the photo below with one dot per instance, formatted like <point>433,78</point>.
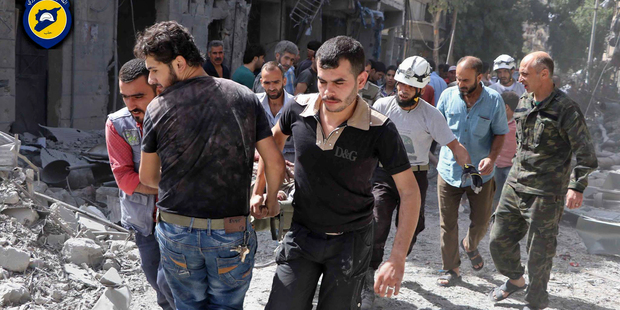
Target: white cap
<point>414,71</point>
<point>504,62</point>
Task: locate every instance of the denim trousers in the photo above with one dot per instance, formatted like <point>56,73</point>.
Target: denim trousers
<point>153,270</point>
<point>202,268</point>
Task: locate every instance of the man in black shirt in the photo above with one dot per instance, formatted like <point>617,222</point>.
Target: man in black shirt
<point>214,64</point>
<point>199,139</point>
<point>339,140</point>
<point>306,81</point>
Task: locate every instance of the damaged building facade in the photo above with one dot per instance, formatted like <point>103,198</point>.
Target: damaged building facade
<point>74,83</point>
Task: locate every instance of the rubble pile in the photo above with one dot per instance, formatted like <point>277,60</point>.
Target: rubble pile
<point>61,247</point>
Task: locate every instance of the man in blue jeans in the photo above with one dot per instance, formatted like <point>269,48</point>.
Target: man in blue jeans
<point>123,138</point>
<point>198,148</point>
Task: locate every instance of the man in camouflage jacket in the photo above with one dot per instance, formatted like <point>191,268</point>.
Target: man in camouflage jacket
<point>550,129</point>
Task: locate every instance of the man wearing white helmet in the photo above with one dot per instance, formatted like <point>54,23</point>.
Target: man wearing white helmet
<point>504,67</point>
<point>418,124</point>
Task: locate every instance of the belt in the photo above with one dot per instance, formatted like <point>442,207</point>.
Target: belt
<point>186,221</point>
<point>419,168</point>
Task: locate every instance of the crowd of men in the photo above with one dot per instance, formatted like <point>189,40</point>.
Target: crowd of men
<point>360,137</point>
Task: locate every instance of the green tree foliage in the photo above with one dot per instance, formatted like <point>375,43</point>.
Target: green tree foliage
<point>570,24</point>
<point>491,28</point>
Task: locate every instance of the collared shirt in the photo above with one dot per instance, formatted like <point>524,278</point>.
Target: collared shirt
<point>333,192</point>
<point>290,80</point>
<point>438,84</point>
<point>384,93</point>
<point>210,69</point>
<point>475,129</point>
<point>288,99</point>
<point>548,135</point>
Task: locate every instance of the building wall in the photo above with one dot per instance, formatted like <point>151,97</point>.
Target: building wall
<point>7,63</point>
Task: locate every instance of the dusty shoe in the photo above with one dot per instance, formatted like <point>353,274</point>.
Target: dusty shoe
<point>368,290</point>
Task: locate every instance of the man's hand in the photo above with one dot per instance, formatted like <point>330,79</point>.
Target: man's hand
<point>289,168</point>
<point>486,166</point>
<point>476,180</point>
<point>389,277</point>
<point>573,199</point>
<point>259,208</point>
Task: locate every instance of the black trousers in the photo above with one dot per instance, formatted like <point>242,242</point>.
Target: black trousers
<point>386,201</point>
<point>303,256</point>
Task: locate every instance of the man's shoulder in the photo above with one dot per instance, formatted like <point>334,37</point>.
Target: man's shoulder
<point>383,104</point>
<point>124,112</point>
<point>261,96</point>
<point>306,99</point>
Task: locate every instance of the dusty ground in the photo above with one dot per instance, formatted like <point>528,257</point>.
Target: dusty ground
<point>593,283</point>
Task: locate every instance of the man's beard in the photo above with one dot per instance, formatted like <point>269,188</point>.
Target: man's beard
<point>277,95</point>
<point>172,76</point>
<point>470,90</point>
<point>409,102</point>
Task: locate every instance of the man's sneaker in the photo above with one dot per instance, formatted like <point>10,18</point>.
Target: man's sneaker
<point>368,291</point>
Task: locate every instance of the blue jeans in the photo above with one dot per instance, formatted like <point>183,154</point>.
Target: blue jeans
<point>501,174</point>
<point>202,270</point>
<point>149,255</point>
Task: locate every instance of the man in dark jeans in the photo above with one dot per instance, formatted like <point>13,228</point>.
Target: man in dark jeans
<point>198,148</point>
<point>123,135</point>
<point>339,140</point>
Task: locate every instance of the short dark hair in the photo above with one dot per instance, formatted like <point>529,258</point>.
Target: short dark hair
<point>313,45</point>
<point>392,67</point>
<point>380,67</point>
<point>431,62</point>
<point>543,62</point>
<point>511,99</point>
<point>485,67</point>
<point>443,67</point>
<point>471,62</point>
<point>251,51</point>
<point>132,70</point>
<point>165,41</point>
<point>272,66</point>
<point>371,63</point>
<point>341,47</point>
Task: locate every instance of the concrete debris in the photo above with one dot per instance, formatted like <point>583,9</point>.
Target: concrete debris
<point>111,278</point>
<point>25,216</point>
<point>114,299</point>
<point>14,259</point>
<point>56,240</point>
<point>13,294</point>
<point>9,197</point>
<point>110,263</point>
<point>599,237</point>
<point>80,275</point>
<point>82,250</point>
<point>64,218</point>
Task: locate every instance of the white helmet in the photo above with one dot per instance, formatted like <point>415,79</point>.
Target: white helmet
<point>504,62</point>
<point>414,71</point>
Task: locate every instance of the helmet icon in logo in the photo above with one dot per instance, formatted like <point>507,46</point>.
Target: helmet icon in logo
<point>46,16</point>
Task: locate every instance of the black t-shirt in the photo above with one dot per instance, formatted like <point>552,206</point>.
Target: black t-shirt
<point>205,130</point>
<point>333,189</point>
<point>309,77</point>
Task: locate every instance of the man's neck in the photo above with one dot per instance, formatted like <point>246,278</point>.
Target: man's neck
<point>471,99</point>
<point>192,72</point>
<point>275,104</point>
<point>250,66</point>
<point>411,107</point>
<point>544,92</point>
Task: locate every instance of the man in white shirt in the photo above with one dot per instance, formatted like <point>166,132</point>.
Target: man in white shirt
<point>418,124</point>
<point>504,67</point>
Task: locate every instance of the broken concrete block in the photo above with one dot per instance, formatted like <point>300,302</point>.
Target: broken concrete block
<point>40,186</point>
<point>87,223</point>
<point>12,294</point>
<point>55,240</point>
<point>117,299</point>
<point>93,210</point>
<point>24,216</point>
<point>58,295</point>
<point>37,263</point>
<point>111,278</point>
<point>133,255</point>
<point>82,250</point>
<point>9,197</point>
<point>78,274</point>
<point>13,259</point>
<point>64,217</point>
<point>109,263</point>
<point>117,245</point>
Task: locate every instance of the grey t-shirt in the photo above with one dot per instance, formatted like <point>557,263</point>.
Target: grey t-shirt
<point>205,130</point>
<point>418,127</point>
<point>516,87</point>
<point>308,77</point>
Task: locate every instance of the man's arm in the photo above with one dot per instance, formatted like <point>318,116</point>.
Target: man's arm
<point>486,164</point>
<point>300,88</point>
<point>257,200</point>
<point>391,272</point>
<point>460,153</point>
<point>150,169</point>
